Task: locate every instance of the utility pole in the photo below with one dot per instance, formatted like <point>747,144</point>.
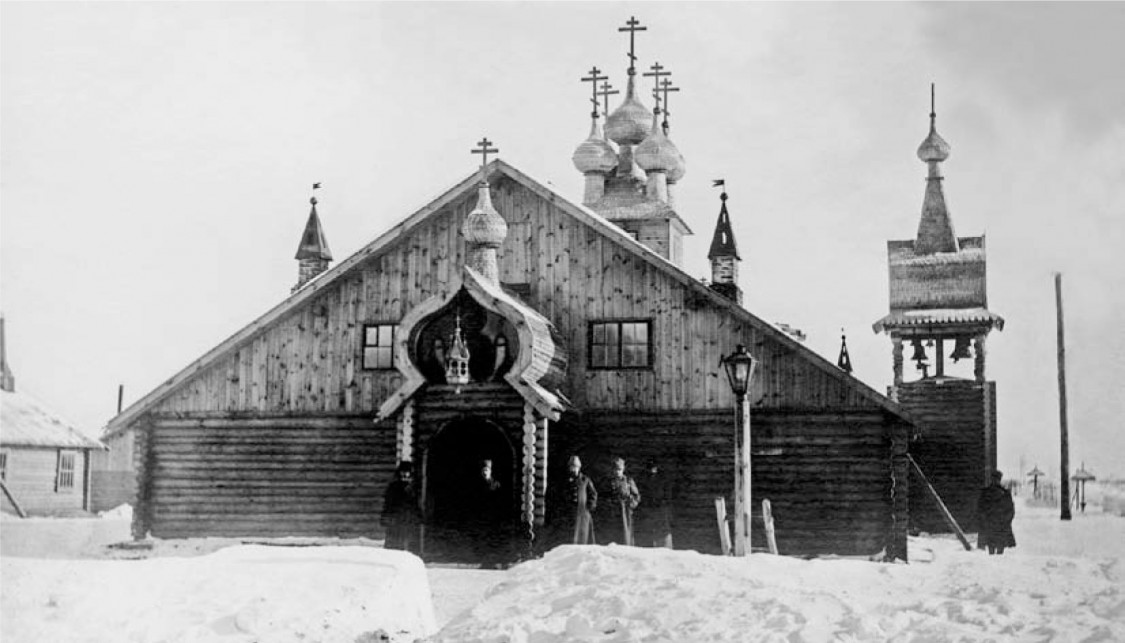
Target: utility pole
<point>1064,439</point>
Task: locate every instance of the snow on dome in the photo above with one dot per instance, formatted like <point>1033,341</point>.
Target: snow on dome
<point>629,123</point>
<point>595,154</point>
<point>657,152</point>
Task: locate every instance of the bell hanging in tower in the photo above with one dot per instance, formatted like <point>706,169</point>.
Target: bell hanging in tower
<point>457,361</point>
<point>961,349</point>
<point>919,351</point>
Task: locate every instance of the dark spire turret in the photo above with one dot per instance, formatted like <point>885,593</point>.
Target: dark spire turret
<point>313,255</point>
<point>844,361</point>
<point>724,253</point>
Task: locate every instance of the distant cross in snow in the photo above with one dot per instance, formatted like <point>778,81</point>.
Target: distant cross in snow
<point>632,26</point>
<point>484,151</point>
<point>593,79</point>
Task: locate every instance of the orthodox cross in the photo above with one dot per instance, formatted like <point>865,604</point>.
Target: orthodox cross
<point>593,79</point>
<point>632,26</point>
<point>665,87</point>
<point>607,91</point>
<point>484,151</point>
<point>655,74</point>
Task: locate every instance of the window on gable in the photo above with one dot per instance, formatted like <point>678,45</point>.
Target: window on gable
<point>65,477</point>
<point>379,346</point>
<point>3,465</point>
<point>620,344</point>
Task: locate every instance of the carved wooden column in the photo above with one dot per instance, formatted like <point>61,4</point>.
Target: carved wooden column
<point>897,353</point>
<point>978,363</point>
<point>404,438</point>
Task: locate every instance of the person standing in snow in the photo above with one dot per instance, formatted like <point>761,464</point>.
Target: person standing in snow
<point>488,525</point>
<point>401,516</point>
<point>572,506</point>
<point>621,499</point>
<point>654,515</point>
<point>995,511</point>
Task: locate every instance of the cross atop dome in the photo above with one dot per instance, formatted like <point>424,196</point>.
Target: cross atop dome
<point>632,26</point>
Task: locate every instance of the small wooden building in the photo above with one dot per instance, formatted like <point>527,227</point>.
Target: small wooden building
<point>939,307</point>
<point>44,462</point>
<point>505,321</point>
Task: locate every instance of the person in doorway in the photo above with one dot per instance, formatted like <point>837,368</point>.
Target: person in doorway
<point>995,511</point>
<point>401,516</point>
<point>654,515</point>
<point>489,531</point>
<point>622,497</point>
<point>572,506</point>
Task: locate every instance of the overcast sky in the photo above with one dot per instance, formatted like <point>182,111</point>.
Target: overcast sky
<point>157,159</point>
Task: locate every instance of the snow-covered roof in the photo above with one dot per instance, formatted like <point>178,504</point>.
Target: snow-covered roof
<point>25,422</point>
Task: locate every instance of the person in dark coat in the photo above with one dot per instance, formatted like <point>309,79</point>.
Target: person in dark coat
<point>654,515</point>
<point>572,506</point>
<point>995,511</point>
<point>618,503</point>
<point>401,515</point>
<point>489,531</point>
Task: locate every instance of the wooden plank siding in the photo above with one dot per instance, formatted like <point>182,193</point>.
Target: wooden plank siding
<point>310,358</point>
<point>274,476</point>
<point>955,446</point>
<point>31,477</point>
<point>829,474</point>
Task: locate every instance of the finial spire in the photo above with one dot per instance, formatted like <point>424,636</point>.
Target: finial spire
<point>605,92</point>
<point>313,255</point>
<point>593,79</point>
<point>935,230</point>
<point>632,26</point>
<point>844,361</point>
<point>656,74</point>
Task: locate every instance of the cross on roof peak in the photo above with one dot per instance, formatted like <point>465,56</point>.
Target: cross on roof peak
<point>632,25</point>
<point>593,79</point>
<point>607,91</point>
<point>484,150</point>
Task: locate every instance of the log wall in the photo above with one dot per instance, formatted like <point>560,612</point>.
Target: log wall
<point>279,476</point>
<point>836,479</point>
<point>955,446</point>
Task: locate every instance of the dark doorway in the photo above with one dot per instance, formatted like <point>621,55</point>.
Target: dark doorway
<point>452,471</point>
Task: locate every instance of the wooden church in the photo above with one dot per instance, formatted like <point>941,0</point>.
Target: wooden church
<point>939,300</point>
<point>506,321</point>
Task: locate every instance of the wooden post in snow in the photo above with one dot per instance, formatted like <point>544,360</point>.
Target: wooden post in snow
<point>724,530</point>
<point>1064,438</point>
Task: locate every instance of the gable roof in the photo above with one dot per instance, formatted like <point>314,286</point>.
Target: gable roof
<point>403,228</point>
<point>25,422</point>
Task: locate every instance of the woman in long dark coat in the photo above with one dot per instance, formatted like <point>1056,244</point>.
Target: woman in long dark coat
<point>654,515</point>
<point>995,511</point>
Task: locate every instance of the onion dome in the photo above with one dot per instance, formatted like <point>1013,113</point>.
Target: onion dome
<point>657,152</point>
<point>934,149</point>
<point>629,123</point>
<point>484,226</point>
<point>595,154</point>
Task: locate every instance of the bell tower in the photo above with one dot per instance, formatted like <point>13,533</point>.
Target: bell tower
<point>939,309</point>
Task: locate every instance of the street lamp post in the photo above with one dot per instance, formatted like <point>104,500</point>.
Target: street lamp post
<point>739,366</point>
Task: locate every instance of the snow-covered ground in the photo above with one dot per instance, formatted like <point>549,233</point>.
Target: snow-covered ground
<point>1065,581</point>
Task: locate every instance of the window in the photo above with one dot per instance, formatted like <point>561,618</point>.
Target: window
<point>65,478</point>
<point>379,346</point>
<point>3,465</point>
<point>620,344</point>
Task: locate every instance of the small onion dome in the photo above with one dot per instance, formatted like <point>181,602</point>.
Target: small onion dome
<point>628,124</point>
<point>677,173</point>
<point>934,148</point>
<point>484,226</point>
<point>595,154</point>
<point>657,152</point>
